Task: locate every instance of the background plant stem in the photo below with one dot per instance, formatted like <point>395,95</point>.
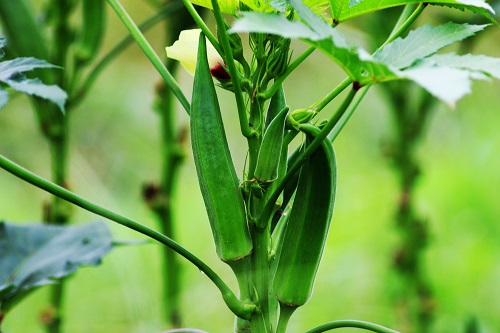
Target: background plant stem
<point>172,140</point>
<point>56,132</point>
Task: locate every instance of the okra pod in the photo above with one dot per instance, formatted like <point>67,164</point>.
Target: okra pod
<point>214,166</point>
<point>307,226</point>
<point>91,30</point>
<point>270,150</point>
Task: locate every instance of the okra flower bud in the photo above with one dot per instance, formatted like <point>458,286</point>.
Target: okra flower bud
<point>279,58</point>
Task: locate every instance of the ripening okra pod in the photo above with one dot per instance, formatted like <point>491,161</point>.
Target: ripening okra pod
<point>216,173</point>
<point>307,226</point>
<point>91,30</point>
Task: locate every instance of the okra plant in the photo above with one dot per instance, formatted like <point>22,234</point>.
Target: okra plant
<point>271,220</point>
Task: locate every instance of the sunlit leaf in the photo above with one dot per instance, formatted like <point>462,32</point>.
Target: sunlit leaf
<point>343,10</point>
<point>475,63</point>
<point>424,41</point>
<point>36,255</point>
<point>359,65</point>
<point>447,84</point>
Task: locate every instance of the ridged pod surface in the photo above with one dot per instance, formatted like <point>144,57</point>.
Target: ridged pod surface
<point>307,226</point>
<point>214,166</point>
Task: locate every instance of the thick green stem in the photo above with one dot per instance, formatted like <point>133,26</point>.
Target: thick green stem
<point>260,273</point>
<point>351,323</point>
<point>243,310</point>
<point>149,52</point>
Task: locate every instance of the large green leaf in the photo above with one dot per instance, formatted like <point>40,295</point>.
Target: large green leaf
<point>401,59</point>
<point>355,61</point>
<point>343,10</point>
<point>36,255</point>
<point>424,41</point>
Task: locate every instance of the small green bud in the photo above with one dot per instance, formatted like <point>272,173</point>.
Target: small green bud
<point>279,58</point>
<point>297,117</point>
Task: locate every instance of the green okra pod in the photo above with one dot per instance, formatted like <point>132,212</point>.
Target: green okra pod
<point>307,226</point>
<point>268,160</point>
<point>276,104</point>
<point>91,30</point>
<point>214,166</point>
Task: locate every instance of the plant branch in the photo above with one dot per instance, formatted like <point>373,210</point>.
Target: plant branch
<point>243,310</point>
<point>149,52</point>
<point>203,26</point>
<point>166,11</point>
<point>351,323</point>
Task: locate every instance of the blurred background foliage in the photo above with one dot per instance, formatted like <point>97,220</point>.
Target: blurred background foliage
<point>114,149</point>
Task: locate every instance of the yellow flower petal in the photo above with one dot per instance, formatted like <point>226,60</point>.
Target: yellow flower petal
<point>185,50</point>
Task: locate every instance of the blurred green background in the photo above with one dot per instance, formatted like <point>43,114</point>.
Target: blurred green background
<point>114,150</point>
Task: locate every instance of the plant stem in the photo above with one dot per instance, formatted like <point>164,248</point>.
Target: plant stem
<point>246,130</point>
<point>56,132</point>
<point>260,272</point>
<point>203,26</point>
<point>243,310</point>
<point>351,323</point>
<point>285,314</point>
<point>149,52</point>
<point>172,155</point>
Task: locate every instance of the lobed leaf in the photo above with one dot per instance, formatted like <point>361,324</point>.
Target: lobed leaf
<point>11,75</point>
<point>343,10</point>
<point>424,41</point>
<point>37,88</point>
<point>35,255</point>
<point>474,63</point>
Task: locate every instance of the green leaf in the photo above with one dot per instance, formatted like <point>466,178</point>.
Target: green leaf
<point>10,68</point>
<point>445,78</point>
<point>447,84</point>
<point>37,88</point>
<point>424,41</point>
<point>343,10</point>
<point>11,75</point>
<point>357,62</point>
<point>449,76</point>
<point>36,255</point>
<point>276,24</point>
<point>474,63</point>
